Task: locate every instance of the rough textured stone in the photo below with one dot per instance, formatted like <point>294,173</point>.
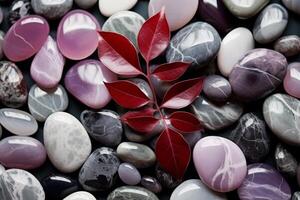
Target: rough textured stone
<point>132,193</point>
<point>288,45</point>
<point>51,9</point>
<point>286,163</point>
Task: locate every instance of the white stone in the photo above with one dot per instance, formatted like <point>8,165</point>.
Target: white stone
<point>2,169</point>
<point>85,4</point>
<point>80,196</point>
<point>110,7</point>
<point>233,47</point>
<point>66,141</point>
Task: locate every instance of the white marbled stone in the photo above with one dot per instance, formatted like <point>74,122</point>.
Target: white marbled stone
<point>109,7</point>
<point>82,195</point>
<point>85,4</point>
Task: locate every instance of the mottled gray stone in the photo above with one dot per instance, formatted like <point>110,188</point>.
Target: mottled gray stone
<point>151,184</point>
<point>166,179</point>
<point>198,43</point>
<point>51,9</point>
<point>285,161</point>
<point>41,104</point>
<point>217,88</point>
<point>131,193</point>
<point>296,196</point>
<point>129,174</point>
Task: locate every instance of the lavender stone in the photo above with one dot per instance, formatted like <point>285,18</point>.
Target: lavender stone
<point>129,174</point>
<point>18,10</point>
<point>151,184</point>
<point>217,88</point>
<point>292,80</point>
<point>288,45</point>
<point>286,163</point>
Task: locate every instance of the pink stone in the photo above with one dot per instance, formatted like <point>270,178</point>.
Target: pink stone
<point>77,36</point>
<point>25,38</point>
<point>86,80</point>
<point>178,12</point>
<point>220,163</point>
<point>47,65</point>
<point>292,80</point>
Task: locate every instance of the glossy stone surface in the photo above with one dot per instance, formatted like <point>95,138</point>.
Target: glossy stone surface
<point>257,74</point>
<point>100,171</point>
<point>220,163</point>
<point>2,34</point>
<point>51,9</point>
<point>217,88</point>
<point>58,187</point>
<point>292,80</point>
<point>85,4</point>
<point>245,8</point>
<point>108,7</point>
<point>281,113</point>
<point>67,143</point>
<point>126,23</point>
<point>233,47</point>
<point>17,184</point>
<point>140,155</point>
<point>104,126</point>
<point>151,183</point>
<point>77,24</point>
<point>13,89</point>
<point>166,179</point>
<point>251,136</point>
<point>288,45</point>
<point>18,10</point>
<point>41,104</point>
<point>20,42</point>
<point>82,195</point>
<point>264,182</point>
<point>129,174</point>
<point>85,81</point>
<point>132,193</point>
<point>177,18</point>
<point>194,189</point>
<point>270,23</point>
<point>286,163</point>
<point>47,66</point>
<point>198,43</point>
<point>216,116</point>
<point>293,5</point>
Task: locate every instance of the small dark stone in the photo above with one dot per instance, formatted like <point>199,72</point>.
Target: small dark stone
<point>288,45</point>
<point>151,184</point>
<point>19,9</point>
<point>166,179</point>
<point>285,161</point>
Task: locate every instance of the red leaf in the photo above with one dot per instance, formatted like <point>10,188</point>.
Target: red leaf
<point>154,36</point>
<point>185,122</point>
<point>173,153</point>
<point>118,54</point>
<point>182,94</point>
<point>171,71</point>
<point>127,94</point>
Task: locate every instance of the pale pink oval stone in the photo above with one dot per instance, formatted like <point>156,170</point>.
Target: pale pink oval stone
<point>291,81</point>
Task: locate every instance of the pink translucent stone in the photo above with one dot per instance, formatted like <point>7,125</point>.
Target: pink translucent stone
<point>77,36</point>
<point>25,38</point>
<point>292,80</point>
<point>86,80</point>
<point>47,65</point>
<point>178,12</point>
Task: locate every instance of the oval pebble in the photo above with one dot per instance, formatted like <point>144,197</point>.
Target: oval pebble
<point>132,193</point>
<point>151,184</point>
<point>85,4</point>
<point>81,195</point>
<point>2,169</point>
<point>293,5</point>
<point>108,7</point>
<point>51,9</point>
<point>288,45</point>
<point>129,174</point>
<point>217,88</point>
<point>292,80</point>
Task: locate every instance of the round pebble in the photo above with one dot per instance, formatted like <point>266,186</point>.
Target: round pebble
<point>129,174</point>
<point>51,9</point>
<point>82,195</point>
<point>217,88</point>
<point>288,45</point>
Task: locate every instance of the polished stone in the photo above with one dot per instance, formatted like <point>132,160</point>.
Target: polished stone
<point>198,43</point>
<point>298,175</point>
<point>264,182</point>
<point>216,116</point>
<point>217,88</point>
<point>151,183</point>
<point>51,9</point>
<point>85,81</point>
<point>108,7</point>
<point>100,171</point>
<point>85,4</point>
<point>82,195</point>
<point>257,74</point>
<point>166,179</point>
<point>292,80</point>
<point>286,163</point>
<point>293,5</point>
<point>288,45</point>
<point>270,24</point>
<point>19,9</point>
<point>2,34</point>
<point>129,174</point>
<point>67,143</point>
<point>132,193</point>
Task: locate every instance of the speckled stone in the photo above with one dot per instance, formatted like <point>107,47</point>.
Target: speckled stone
<point>104,126</point>
<point>288,45</point>
<point>281,113</point>
<point>100,170</point>
<point>17,184</point>
<point>296,196</point>
<point>166,179</point>
<point>129,174</point>
<point>292,80</point>
<point>51,9</point>
<point>108,7</point>
<point>126,23</point>
<point>264,182</point>
<point>257,74</point>
<point>81,195</point>
<point>18,10</point>
<point>293,5</point>
<point>217,88</point>
<point>286,163</point>
<point>132,193</point>
<point>216,116</point>
<point>85,4</point>
<point>2,34</point>
<point>270,23</point>
<point>198,43</point>
<point>151,184</point>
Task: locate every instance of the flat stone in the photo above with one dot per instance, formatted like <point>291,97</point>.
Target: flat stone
<point>198,43</point>
<point>18,122</point>
<point>129,174</point>
<point>2,34</point>
<point>18,10</point>
<point>132,193</point>
<point>292,79</point>
<point>85,4</point>
<point>67,143</point>
<point>270,23</point>
<point>288,45</point>
<point>264,182</point>
<point>177,18</point>
<point>82,195</point>
<point>51,9</point>
<point>281,113</point>
<point>78,24</point>
<point>85,81</point>
<point>22,152</point>
<point>286,163</point>
<point>126,23</point>
<point>151,183</point>
<point>100,171</point>
<point>13,89</point>
<point>141,156</point>
<point>108,7</point>
<point>217,88</point>
<point>292,5</point>
<point>104,126</point>
<point>216,116</point>
<point>166,179</point>
<point>257,74</point>
<point>17,184</point>
<point>233,47</point>
<point>41,104</point>
<point>47,66</point>
<point>296,196</point>
<point>194,189</point>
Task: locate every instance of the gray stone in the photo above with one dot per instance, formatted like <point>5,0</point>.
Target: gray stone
<point>288,45</point>
<point>293,5</point>
<point>193,138</point>
<point>296,196</point>
<point>18,10</point>
<point>134,136</point>
<point>81,195</point>
<point>166,179</point>
<point>286,163</point>
<point>2,34</point>
<point>217,88</point>
<point>151,184</point>
<point>86,4</point>
<point>129,174</point>
<point>131,193</point>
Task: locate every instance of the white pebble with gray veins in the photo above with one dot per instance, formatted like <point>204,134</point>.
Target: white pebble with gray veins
<point>85,4</point>
<point>82,195</point>
<point>293,5</point>
<point>110,7</point>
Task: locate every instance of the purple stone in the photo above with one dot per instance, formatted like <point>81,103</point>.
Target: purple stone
<point>86,80</point>
<point>129,174</point>
<point>77,36</point>
<point>22,152</point>
<point>264,182</point>
<point>47,66</point>
<point>217,88</point>
<point>292,80</point>
<point>151,184</point>
<point>25,38</point>
<point>257,74</point>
